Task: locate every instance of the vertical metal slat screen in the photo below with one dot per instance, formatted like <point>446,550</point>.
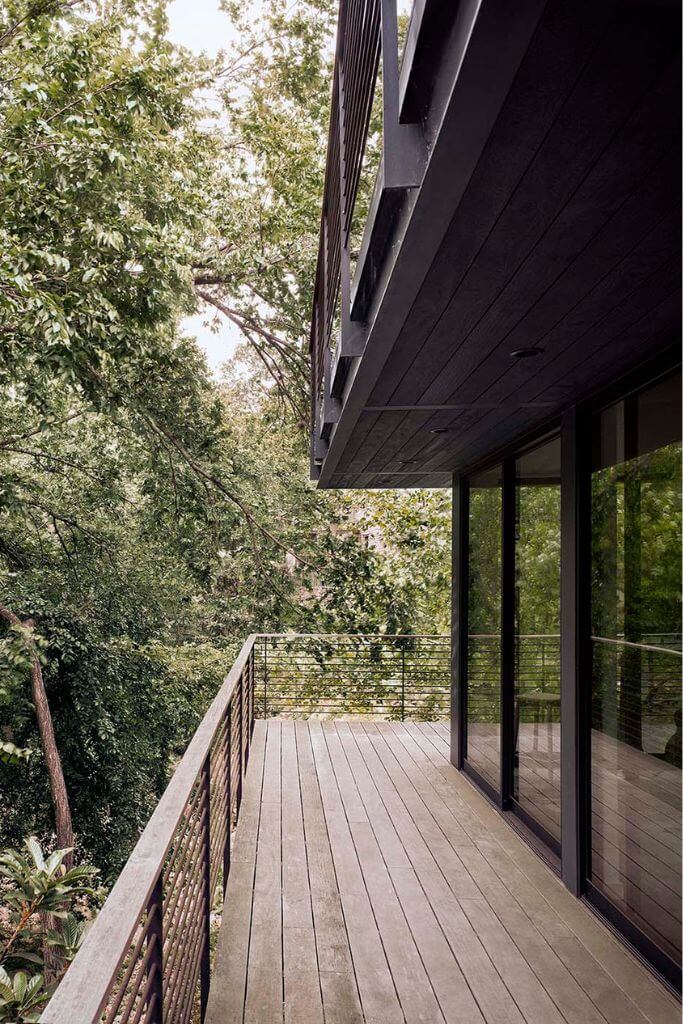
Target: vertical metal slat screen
<point>355,75</point>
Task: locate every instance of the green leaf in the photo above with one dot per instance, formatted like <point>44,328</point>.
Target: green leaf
<point>11,754</point>
<point>34,985</point>
<point>19,984</point>
<point>34,849</point>
<point>6,988</point>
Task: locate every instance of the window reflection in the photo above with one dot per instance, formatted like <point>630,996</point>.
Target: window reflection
<point>636,660</point>
<point>484,625</point>
<point>536,780</point>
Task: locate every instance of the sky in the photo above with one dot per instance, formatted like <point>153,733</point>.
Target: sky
<point>201,26</point>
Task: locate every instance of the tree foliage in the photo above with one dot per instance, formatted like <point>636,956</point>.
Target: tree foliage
<point>150,516</point>
<point>258,266</point>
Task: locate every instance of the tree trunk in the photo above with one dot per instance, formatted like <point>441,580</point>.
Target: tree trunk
<point>53,963</point>
<point>53,762</point>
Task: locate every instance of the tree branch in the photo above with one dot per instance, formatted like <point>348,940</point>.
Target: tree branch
<point>202,279</point>
<point>220,486</point>
<point>49,457</point>
<point>39,430</point>
<point>243,319</point>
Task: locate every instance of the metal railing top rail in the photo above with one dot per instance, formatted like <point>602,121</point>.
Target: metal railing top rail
<point>518,636</point>
<point>149,946</point>
<point>83,993</point>
<point>357,636</point>
<point>388,676</point>
<point>655,648</point>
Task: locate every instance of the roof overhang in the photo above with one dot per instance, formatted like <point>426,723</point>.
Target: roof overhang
<point>540,255</point>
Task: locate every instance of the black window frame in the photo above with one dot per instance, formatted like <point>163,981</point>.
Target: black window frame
<point>574,429</point>
<point>503,798</point>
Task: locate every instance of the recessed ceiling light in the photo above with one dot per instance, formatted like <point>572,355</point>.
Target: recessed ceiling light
<point>439,430</point>
<point>407,462</point>
<point>526,353</point>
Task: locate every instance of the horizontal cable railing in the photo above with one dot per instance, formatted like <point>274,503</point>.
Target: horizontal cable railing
<point>146,958</point>
<point>636,688</point>
<point>327,675</point>
<point>537,670</point>
<point>635,684</point>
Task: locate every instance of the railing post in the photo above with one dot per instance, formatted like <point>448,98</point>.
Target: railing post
<point>265,677</point>
<point>228,795</point>
<point>240,747</point>
<point>245,716</point>
<point>252,706</point>
<point>155,910</point>
<point>247,739</point>
<point>403,683</point>
<point>205,966</point>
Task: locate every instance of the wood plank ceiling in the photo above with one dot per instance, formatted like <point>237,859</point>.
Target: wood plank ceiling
<point>567,240</point>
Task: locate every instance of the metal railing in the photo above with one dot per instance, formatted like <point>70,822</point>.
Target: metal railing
<point>367,40</point>
<point>537,669</point>
<point>147,956</point>
<point>353,88</point>
<point>636,688</point>
<point>394,677</point>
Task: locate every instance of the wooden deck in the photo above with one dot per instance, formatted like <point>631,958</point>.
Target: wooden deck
<point>372,882</point>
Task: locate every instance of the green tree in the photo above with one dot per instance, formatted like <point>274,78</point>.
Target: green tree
<point>149,517</point>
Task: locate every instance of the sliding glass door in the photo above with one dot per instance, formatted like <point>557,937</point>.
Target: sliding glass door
<point>511,736</point>
<point>536,765</point>
<point>635,745</point>
<point>609,678</point>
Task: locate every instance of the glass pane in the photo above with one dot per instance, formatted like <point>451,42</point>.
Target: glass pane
<point>484,618</point>
<point>536,780</point>
<point>636,659</point>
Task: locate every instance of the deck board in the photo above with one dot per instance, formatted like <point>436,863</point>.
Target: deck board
<point>302,991</point>
<point>371,882</point>
<point>227,998</point>
<point>377,990</point>
<point>264,988</point>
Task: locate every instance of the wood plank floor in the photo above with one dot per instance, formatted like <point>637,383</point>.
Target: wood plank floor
<point>372,882</point>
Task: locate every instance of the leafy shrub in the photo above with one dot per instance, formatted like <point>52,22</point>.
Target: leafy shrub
<point>41,926</point>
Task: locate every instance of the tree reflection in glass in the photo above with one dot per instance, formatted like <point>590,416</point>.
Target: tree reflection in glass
<point>636,660</point>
